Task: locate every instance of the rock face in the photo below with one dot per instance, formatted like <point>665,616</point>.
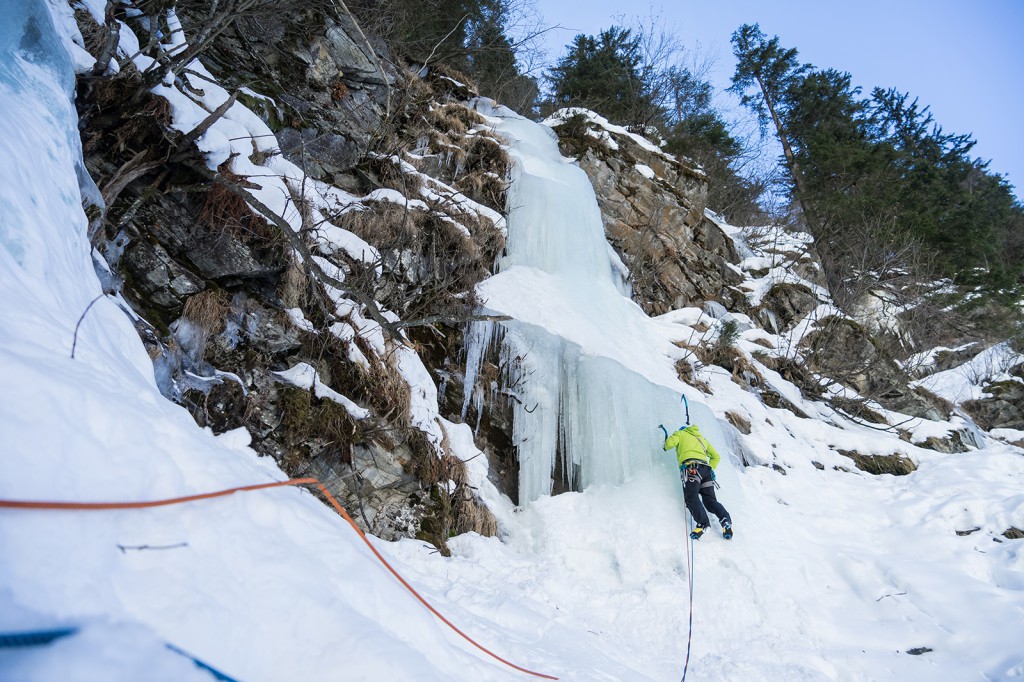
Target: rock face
<point>1003,408</point>
<point>228,301</point>
<point>330,94</point>
<point>783,306</point>
<point>895,464</point>
<point>653,210</point>
<point>843,350</point>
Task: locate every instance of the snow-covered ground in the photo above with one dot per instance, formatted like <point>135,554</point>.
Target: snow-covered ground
<point>833,574</point>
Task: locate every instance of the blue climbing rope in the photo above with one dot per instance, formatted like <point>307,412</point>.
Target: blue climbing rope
<point>689,577</point>
<point>17,640</point>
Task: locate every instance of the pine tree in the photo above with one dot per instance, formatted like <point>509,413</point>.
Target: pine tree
<point>493,62</point>
<point>605,73</point>
<point>765,74</point>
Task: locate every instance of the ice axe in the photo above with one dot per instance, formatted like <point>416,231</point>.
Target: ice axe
<point>686,406</point>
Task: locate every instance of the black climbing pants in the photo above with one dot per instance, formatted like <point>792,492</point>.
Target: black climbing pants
<point>699,487</point>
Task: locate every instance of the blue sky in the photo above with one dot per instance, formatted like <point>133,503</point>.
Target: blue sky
<point>963,58</point>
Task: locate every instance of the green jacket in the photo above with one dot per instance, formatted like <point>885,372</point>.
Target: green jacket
<point>690,445</point>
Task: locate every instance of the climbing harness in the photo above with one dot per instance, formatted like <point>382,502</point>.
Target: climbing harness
<point>96,506</point>
<point>692,474</point>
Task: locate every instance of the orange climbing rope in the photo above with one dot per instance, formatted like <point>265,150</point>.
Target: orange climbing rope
<point>96,506</point>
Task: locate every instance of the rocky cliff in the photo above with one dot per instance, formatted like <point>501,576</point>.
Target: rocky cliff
<point>297,220</point>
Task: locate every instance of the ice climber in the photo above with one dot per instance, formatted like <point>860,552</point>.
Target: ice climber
<point>697,461</point>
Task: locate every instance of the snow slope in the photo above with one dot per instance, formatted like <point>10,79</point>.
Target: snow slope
<point>833,574</point>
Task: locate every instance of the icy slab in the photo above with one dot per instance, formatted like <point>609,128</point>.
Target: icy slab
<point>589,369</point>
<point>599,320</point>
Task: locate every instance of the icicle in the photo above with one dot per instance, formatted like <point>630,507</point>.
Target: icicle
<point>478,340</point>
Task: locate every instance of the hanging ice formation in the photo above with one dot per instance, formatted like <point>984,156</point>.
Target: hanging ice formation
<point>585,373</point>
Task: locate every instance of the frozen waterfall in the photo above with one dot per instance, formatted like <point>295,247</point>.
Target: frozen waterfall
<point>590,373</point>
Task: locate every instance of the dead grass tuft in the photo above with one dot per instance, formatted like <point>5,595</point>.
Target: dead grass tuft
<point>449,81</point>
<point>387,173</point>
<point>483,187</point>
<point>208,310</point>
<point>770,361</point>
<point>744,372</point>
<point>442,144</point>
<point>294,285</point>
<point>441,119</point>
<point>686,373</point>
<point>485,154</point>
<point>741,423</point>
<point>381,223</point>
<point>454,117</point>
<point>93,33</point>
<point>471,516</point>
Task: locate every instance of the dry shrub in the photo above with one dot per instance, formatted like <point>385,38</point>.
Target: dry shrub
<point>208,310</point>
<point>425,250</point>
<point>148,121</point>
<point>120,117</point>
<point>575,127</point>
<point>339,91</point>
<point>312,427</point>
<point>225,212</point>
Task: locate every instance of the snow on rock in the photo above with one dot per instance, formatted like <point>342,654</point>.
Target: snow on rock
<point>645,171</point>
<point>305,376</point>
